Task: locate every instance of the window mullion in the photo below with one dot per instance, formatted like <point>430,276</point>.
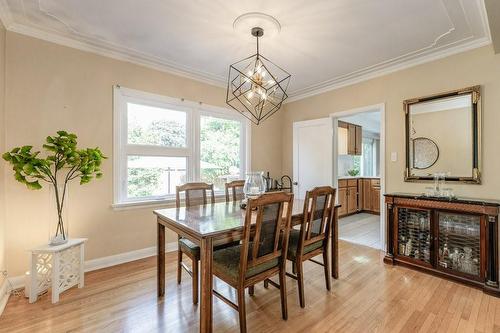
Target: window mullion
<point>196,144</point>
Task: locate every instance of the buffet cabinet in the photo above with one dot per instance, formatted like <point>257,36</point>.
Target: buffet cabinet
<point>457,238</point>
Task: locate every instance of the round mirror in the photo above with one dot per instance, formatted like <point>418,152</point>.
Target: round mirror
<point>425,153</point>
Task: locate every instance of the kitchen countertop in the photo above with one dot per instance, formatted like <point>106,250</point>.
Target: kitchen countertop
<point>359,177</point>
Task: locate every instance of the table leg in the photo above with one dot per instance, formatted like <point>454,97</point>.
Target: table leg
<point>161,260</point>
<point>335,244</point>
<point>206,253</point>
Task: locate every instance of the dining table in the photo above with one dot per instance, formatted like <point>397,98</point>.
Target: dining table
<point>217,223</point>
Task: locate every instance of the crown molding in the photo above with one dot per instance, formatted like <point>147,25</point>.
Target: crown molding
<point>383,69</point>
<point>119,53</point>
<point>419,57</point>
<point>5,15</point>
<point>107,49</point>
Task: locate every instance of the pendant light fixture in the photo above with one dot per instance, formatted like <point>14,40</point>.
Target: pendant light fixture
<point>256,86</point>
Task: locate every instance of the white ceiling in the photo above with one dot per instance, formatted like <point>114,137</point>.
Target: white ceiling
<point>370,121</point>
<point>324,44</point>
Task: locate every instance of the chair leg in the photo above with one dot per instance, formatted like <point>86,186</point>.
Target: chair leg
<point>284,308</point>
<point>300,283</point>
<point>194,269</point>
<point>251,290</point>
<point>242,310</point>
<point>179,266</point>
<point>294,268</point>
<point>266,284</point>
<point>326,266</point>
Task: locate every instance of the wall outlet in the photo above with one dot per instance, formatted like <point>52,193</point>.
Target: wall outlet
<point>394,156</point>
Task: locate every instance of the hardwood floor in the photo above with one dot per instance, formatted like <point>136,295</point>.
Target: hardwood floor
<point>368,297</point>
<point>362,228</point>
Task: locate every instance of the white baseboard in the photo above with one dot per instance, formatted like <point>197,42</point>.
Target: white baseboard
<point>104,262</point>
<point>4,295</point>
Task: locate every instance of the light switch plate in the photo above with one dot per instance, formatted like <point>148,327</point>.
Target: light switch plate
<point>394,156</point>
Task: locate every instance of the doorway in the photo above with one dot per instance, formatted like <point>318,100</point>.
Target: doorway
<point>359,174</point>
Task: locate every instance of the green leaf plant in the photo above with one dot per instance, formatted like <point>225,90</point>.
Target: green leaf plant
<point>64,162</point>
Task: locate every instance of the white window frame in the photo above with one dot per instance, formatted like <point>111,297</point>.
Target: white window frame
<point>194,110</point>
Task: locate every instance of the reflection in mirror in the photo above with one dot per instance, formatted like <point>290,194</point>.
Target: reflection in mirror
<point>442,136</point>
<point>425,153</point>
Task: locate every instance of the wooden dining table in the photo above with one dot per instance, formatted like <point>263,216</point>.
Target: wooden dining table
<point>216,223</point>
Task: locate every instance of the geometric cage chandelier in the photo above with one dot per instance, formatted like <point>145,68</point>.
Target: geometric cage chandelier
<point>256,86</point>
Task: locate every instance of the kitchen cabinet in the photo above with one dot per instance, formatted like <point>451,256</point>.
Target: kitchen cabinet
<point>359,194</point>
<point>342,201</point>
<point>366,194</point>
<point>350,139</point>
<point>375,195</point>
<point>348,196</point>
<point>375,200</point>
<point>352,199</point>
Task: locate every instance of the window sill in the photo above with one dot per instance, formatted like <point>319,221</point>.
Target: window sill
<point>161,203</point>
<point>164,203</point>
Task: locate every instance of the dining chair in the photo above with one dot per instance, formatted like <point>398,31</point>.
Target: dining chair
<point>195,194</point>
<point>262,252</point>
<point>313,237</point>
<point>236,188</point>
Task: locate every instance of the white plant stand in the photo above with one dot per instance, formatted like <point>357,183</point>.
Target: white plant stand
<point>59,267</point>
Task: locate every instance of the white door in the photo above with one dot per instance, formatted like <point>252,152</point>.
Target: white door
<point>312,155</point>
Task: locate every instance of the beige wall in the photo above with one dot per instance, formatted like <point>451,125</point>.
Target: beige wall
<point>479,66</point>
<point>2,146</point>
<point>51,87</point>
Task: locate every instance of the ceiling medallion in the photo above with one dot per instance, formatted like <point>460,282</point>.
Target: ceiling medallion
<point>256,86</point>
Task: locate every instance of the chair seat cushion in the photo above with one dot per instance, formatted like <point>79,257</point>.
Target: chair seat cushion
<point>187,246</point>
<point>227,260</point>
<point>293,242</point>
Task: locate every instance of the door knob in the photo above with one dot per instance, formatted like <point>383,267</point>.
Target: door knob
<point>295,183</point>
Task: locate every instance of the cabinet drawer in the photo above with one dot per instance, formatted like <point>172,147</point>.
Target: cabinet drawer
<point>342,182</point>
<point>376,182</point>
<point>352,182</point>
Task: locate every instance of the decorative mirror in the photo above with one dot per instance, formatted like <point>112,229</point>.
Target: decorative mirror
<point>443,136</point>
<point>425,153</point>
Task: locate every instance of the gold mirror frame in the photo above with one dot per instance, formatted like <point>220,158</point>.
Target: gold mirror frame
<point>475,178</point>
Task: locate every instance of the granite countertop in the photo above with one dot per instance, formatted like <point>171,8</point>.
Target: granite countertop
<point>359,177</point>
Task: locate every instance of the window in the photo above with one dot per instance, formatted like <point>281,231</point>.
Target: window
<point>162,142</point>
<point>370,157</point>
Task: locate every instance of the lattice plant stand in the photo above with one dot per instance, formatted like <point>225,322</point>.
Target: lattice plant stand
<point>57,267</point>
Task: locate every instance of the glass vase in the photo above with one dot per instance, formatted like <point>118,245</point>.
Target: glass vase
<point>255,184</point>
<point>58,217</point>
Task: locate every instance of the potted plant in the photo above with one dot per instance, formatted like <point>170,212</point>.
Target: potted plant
<point>64,162</point>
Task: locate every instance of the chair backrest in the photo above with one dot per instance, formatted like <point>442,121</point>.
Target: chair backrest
<point>236,188</point>
<point>195,194</point>
<point>270,214</point>
<point>318,216</point>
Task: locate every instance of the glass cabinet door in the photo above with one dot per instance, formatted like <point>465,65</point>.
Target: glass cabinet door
<point>460,242</point>
<point>414,234</point>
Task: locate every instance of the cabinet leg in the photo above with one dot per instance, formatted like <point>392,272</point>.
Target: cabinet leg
<point>81,278</point>
<point>33,279</point>
<point>55,277</point>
